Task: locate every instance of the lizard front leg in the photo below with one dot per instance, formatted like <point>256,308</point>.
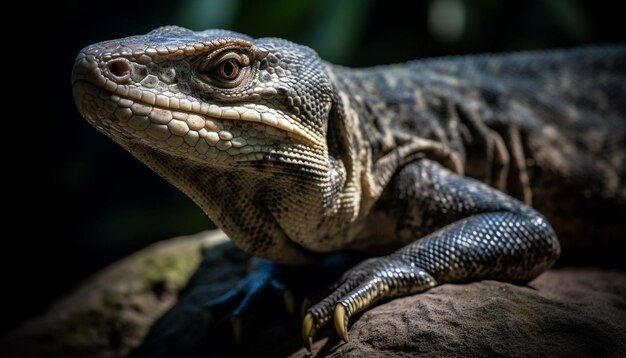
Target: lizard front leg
<point>474,232</point>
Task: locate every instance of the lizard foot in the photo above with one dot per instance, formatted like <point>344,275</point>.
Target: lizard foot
<point>261,286</point>
<point>267,287</point>
<point>361,287</point>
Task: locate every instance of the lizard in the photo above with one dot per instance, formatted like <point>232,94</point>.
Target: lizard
<point>442,170</point>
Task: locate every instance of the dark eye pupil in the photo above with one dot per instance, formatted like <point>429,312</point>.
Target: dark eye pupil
<point>228,69</point>
<point>228,72</point>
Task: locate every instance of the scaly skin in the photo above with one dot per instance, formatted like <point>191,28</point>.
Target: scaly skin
<point>295,158</point>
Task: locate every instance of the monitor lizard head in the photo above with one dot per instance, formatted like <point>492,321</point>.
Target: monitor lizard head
<point>239,125</point>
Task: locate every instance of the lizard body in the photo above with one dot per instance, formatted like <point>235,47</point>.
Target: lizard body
<point>295,158</point>
<point>535,125</point>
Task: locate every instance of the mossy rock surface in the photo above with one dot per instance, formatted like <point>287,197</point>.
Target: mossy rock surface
<point>111,312</point>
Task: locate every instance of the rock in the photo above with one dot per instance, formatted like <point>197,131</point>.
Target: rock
<point>110,313</point>
<point>565,312</point>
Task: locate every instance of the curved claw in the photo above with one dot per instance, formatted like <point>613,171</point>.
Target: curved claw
<point>361,288</point>
<point>341,322</point>
<point>347,300</point>
<point>307,331</point>
<point>317,315</point>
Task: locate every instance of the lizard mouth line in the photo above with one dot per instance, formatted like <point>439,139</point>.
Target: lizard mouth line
<point>145,103</point>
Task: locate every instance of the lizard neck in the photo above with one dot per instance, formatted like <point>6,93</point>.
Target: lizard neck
<point>329,212</point>
<point>265,212</point>
<point>388,125</point>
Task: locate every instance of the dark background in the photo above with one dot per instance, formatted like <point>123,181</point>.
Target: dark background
<point>94,203</point>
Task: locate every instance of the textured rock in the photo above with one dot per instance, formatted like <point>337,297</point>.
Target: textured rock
<point>565,312</point>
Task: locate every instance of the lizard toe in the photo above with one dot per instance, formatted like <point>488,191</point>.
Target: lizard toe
<point>360,288</point>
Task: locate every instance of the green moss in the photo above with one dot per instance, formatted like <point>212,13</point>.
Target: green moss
<point>167,271</point>
<point>93,329</point>
<point>105,326</point>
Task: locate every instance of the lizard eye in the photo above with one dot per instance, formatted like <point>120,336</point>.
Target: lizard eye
<point>225,70</point>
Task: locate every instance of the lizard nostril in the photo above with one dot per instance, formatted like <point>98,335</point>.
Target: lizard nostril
<point>119,68</point>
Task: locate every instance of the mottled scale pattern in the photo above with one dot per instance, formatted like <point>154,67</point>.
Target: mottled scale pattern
<point>444,170</point>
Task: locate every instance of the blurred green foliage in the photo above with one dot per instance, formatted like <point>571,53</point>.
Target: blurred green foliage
<point>117,206</point>
<point>331,27</point>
